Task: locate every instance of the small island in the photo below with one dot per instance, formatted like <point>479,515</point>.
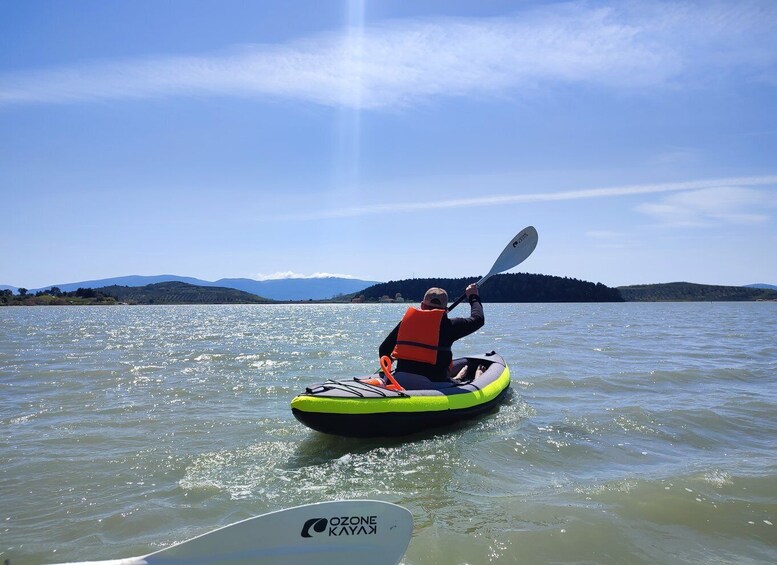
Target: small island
<point>516,287</point>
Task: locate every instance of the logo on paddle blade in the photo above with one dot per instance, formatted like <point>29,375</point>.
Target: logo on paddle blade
<point>318,525</point>
<point>341,526</point>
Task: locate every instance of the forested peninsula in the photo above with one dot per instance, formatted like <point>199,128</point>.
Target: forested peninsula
<point>159,293</point>
<point>54,297</point>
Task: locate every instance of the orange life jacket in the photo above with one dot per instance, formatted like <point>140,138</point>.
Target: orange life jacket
<point>419,336</point>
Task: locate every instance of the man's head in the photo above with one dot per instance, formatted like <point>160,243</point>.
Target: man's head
<point>435,298</point>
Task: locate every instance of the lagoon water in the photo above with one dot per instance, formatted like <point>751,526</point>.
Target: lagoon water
<point>633,433</point>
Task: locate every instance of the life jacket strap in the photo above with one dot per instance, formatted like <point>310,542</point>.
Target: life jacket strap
<point>423,345</point>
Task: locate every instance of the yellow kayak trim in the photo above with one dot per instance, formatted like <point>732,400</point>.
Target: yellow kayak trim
<point>435,403</point>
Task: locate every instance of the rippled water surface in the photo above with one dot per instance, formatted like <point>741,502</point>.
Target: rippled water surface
<point>633,433</point>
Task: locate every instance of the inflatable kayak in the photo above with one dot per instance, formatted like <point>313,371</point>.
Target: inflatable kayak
<point>367,407</point>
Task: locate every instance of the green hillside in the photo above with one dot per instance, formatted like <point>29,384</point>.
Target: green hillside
<point>684,291</point>
<point>518,287</point>
<point>181,293</point>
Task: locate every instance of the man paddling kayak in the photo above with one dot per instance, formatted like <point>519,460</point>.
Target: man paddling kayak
<point>421,342</point>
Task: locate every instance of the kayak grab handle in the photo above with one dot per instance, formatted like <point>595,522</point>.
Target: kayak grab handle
<point>385,365</point>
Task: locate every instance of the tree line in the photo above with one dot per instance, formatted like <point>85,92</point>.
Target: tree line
<point>54,296</point>
<point>514,287</point>
<point>689,292</point>
<point>159,293</point>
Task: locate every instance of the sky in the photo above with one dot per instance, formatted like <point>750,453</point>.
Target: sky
<point>385,140</point>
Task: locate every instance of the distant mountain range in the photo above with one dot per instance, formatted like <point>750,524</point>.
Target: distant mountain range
<point>320,288</point>
<point>762,285</point>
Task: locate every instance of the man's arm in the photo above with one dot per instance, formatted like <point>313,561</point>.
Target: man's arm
<point>388,344</point>
<point>461,327</point>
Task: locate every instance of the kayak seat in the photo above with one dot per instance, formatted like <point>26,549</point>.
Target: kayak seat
<point>411,381</point>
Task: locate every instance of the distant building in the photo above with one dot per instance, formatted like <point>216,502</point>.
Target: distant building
<point>398,298</point>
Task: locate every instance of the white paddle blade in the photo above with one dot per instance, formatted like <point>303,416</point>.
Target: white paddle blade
<point>346,532</point>
<point>342,532</point>
<point>516,252</point>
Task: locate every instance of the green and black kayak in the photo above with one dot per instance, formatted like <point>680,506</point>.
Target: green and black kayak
<point>365,407</point>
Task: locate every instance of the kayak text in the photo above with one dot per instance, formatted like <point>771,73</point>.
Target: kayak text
<point>341,526</point>
<point>353,525</point>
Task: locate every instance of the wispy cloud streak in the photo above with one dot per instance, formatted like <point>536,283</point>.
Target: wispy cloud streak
<point>403,62</point>
<point>501,200</point>
<point>712,206</point>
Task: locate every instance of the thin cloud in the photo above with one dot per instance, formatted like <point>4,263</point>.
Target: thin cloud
<point>604,235</point>
<point>500,200</point>
<point>404,62</point>
<point>711,207</point>
<point>607,239</point>
<point>677,156</point>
